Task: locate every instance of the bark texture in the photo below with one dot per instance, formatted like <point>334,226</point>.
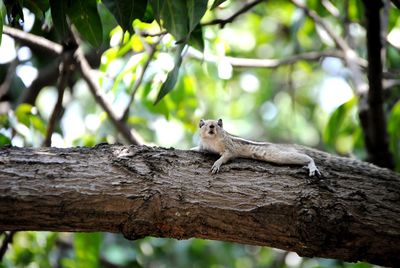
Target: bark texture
<point>351,213</point>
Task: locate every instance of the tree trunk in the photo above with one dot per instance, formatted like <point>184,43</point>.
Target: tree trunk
<point>351,213</point>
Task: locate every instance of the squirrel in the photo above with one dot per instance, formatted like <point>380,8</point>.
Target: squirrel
<point>214,139</point>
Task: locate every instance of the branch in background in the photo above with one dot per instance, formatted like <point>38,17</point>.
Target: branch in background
<point>86,72</point>
<point>330,8</point>
<point>223,22</point>
<point>145,34</point>
<point>346,23</point>
<point>270,63</point>
<point>384,30</point>
<point>350,56</point>
<point>372,117</point>
<point>66,67</point>
<point>396,3</point>
<point>38,42</point>
<point>7,240</point>
<point>5,86</point>
<point>151,51</point>
<point>85,69</point>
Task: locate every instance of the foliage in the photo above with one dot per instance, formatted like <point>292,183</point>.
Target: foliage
<point>158,43</point>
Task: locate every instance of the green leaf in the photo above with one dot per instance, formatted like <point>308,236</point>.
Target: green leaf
<point>148,16</point>
<point>216,3</point>
<point>196,38</point>
<point>157,6</point>
<point>175,17</point>
<point>84,15</point>
<point>4,140</point>
<point>59,17</point>
<point>335,123</point>
<point>38,7</point>
<point>172,77</point>
<point>126,11</point>
<point>196,10</point>
<point>87,249</point>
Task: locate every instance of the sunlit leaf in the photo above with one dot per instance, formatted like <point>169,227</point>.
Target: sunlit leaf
<point>336,120</point>
<point>126,11</point>
<point>85,17</point>
<point>175,18</point>
<point>58,9</point>
<point>217,3</point>
<point>172,77</point>
<point>4,140</point>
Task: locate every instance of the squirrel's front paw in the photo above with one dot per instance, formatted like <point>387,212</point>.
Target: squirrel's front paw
<point>215,168</point>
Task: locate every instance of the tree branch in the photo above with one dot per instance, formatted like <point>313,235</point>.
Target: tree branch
<point>350,56</point>
<point>85,70</point>
<point>269,63</point>
<point>141,191</point>
<point>8,237</point>
<point>38,42</point>
<point>372,117</point>
<point>151,51</point>
<point>230,19</point>
<point>65,71</point>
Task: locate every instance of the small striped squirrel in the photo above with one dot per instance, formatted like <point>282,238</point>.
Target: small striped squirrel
<point>213,138</point>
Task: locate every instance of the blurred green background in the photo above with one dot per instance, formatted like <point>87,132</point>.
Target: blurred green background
<point>309,102</point>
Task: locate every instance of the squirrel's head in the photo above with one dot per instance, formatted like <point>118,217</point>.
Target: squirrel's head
<point>210,128</point>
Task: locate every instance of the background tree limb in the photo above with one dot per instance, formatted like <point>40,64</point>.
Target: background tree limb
<point>352,213</point>
<point>372,116</point>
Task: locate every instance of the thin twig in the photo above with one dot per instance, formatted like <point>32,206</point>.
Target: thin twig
<point>100,98</point>
<point>65,70</point>
<point>350,56</point>
<point>138,82</point>
<point>146,34</point>
<point>223,22</point>
<point>84,68</point>
<point>7,240</point>
<point>330,8</point>
<point>5,86</point>
<point>269,63</point>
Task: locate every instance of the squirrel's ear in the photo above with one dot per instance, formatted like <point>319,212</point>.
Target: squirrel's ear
<point>201,123</point>
<point>220,122</point>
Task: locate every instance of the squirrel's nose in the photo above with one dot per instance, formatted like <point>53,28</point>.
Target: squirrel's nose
<point>212,126</point>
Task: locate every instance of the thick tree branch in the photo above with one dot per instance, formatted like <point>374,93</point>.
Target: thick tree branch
<point>352,213</point>
<point>372,116</point>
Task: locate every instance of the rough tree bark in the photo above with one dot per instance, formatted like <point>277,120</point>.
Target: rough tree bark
<point>351,213</point>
